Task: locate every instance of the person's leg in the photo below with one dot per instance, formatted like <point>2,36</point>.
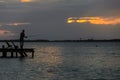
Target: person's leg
<point>21,44</point>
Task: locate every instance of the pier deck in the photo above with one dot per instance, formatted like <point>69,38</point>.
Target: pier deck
<point>21,52</point>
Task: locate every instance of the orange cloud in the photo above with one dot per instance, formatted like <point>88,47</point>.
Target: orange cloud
<point>26,1</point>
<point>6,33</point>
<point>95,20</point>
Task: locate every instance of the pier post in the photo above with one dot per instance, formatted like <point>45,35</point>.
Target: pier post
<point>32,54</point>
<point>4,54</point>
<point>12,55</point>
<point>12,51</point>
<point>16,47</point>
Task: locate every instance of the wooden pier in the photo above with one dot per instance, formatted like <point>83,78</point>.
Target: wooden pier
<point>17,52</point>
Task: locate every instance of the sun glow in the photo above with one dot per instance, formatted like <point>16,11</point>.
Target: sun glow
<point>95,20</point>
<point>6,33</point>
<point>26,1</point>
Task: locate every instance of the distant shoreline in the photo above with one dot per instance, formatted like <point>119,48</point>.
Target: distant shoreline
<point>90,40</point>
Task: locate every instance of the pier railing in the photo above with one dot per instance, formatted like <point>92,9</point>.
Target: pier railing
<point>21,52</point>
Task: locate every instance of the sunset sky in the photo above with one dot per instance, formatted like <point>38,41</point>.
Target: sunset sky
<point>60,19</point>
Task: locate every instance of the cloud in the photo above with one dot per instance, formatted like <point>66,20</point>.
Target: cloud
<point>49,16</point>
<point>26,1</point>
<point>17,24</point>
<point>2,1</point>
<point>95,20</point>
<point>14,24</point>
<point>6,33</point>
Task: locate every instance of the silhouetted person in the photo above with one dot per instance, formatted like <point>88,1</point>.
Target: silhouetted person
<point>22,36</point>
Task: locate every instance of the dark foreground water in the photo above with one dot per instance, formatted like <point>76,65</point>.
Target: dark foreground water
<point>65,61</point>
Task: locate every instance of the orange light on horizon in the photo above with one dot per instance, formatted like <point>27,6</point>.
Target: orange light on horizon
<point>95,20</point>
<point>6,33</point>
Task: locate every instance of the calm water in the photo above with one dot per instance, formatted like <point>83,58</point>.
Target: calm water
<point>65,61</point>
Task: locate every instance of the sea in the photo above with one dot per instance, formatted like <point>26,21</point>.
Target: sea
<point>65,61</point>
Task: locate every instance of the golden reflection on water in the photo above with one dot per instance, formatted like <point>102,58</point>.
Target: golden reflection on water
<point>48,58</point>
<point>49,55</point>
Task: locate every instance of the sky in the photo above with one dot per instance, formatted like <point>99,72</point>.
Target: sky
<point>60,19</point>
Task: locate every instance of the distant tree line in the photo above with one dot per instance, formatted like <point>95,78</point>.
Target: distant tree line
<point>43,40</point>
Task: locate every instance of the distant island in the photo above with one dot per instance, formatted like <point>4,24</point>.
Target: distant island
<point>44,40</point>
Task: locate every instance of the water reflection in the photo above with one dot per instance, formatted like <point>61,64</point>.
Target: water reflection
<point>49,55</point>
<point>48,58</point>
<point>63,61</point>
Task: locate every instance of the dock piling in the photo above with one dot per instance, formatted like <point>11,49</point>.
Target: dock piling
<point>22,52</point>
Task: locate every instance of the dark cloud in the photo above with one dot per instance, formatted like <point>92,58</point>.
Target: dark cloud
<point>49,18</point>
